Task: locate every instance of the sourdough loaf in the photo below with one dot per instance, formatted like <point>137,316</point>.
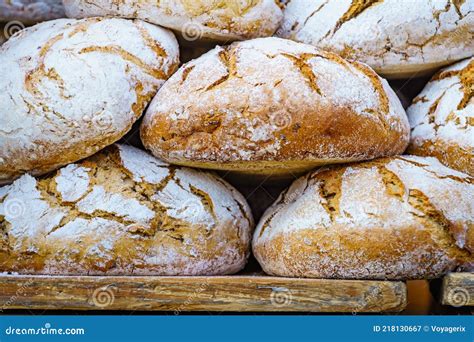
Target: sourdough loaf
<point>392,218</point>
<point>31,11</point>
<point>442,118</point>
<point>220,20</point>
<point>271,106</point>
<point>71,87</point>
<point>123,212</point>
<point>398,38</point>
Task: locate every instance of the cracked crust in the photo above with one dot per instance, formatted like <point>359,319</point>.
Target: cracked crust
<point>402,217</point>
<point>31,11</point>
<point>398,38</point>
<point>123,212</point>
<point>68,90</point>
<point>217,20</point>
<point>296,108</point>
<point>442,118</point>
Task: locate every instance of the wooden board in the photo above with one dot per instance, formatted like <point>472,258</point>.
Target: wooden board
<point>457,289</point>
<point>240,293</point>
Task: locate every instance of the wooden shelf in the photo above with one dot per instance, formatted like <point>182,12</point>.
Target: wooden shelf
<point>239,293</point>
<point>457,289</point>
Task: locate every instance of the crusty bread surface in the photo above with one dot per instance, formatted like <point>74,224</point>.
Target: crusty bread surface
<point>123,212</point>
<point>194,20</point>
<point>403,217</point>
<point>271,106</point>
<point>68,89</point>
<point>442,118</point>
<point>398,38</point>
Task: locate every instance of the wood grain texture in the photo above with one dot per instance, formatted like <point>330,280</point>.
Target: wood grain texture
<point>245,293</point>
<point>457,289</point>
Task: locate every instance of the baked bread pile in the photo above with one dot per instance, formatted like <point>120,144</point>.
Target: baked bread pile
<point>269,92</point>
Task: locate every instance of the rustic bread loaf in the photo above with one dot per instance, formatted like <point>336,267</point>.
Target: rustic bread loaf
<point>123,212</point>
<point>71,87</point>
<point>398,38</point>
<point>442,118</point>
<point>31,11</point>
<point>220,20</point>
<point>273,106</point>
<point>393,218</point>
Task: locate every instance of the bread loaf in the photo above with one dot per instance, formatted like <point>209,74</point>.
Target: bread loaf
<point>271,106</point>
<point>219,20</point>
<point>71,87</point>
<point>31,11</point>
<point>393,218</point>
<point>442,118</point>
<point>398,38</point>
<point>123,212</point>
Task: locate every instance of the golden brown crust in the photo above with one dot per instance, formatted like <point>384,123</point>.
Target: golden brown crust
<point>123,212</point>
<point>442,120</point>
<point>302,114</point>
<point>392,218</point>
<point>451,155</point>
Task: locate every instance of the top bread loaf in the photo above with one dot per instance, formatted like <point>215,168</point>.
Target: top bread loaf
<point>398,38</point>
<point>220,20</point>
<point>31,11</point>
<point>270,106</point>
<point>72,87</point>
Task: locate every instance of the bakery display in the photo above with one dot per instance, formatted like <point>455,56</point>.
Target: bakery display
<point>123,212</point>
<point>399,39</point>
<point>442,118</point>
<point>68,90</point>
<point>31,11</point>
<point>320,119</point>
<point>403,217</point>
<point>219,20</point>
<point>296,108</point>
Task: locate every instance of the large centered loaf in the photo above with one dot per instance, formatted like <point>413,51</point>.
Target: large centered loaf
<point>273,106</point>
<point>442,118</point>
<point>398,38</point>
<point>71,87</point>
<point>393,218</point>
<point>123,212</point>
<point>31,11</point>
<point>221,20</point>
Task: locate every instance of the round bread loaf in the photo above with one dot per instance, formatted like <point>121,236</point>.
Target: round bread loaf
<point>398,38</point>
<point>442,118</point>
<point>31,11</point>
<point>71,87</point>
<point>219,20</point>
<point>403,217</point>
<point>123,212</point>
<point>273,106</point>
